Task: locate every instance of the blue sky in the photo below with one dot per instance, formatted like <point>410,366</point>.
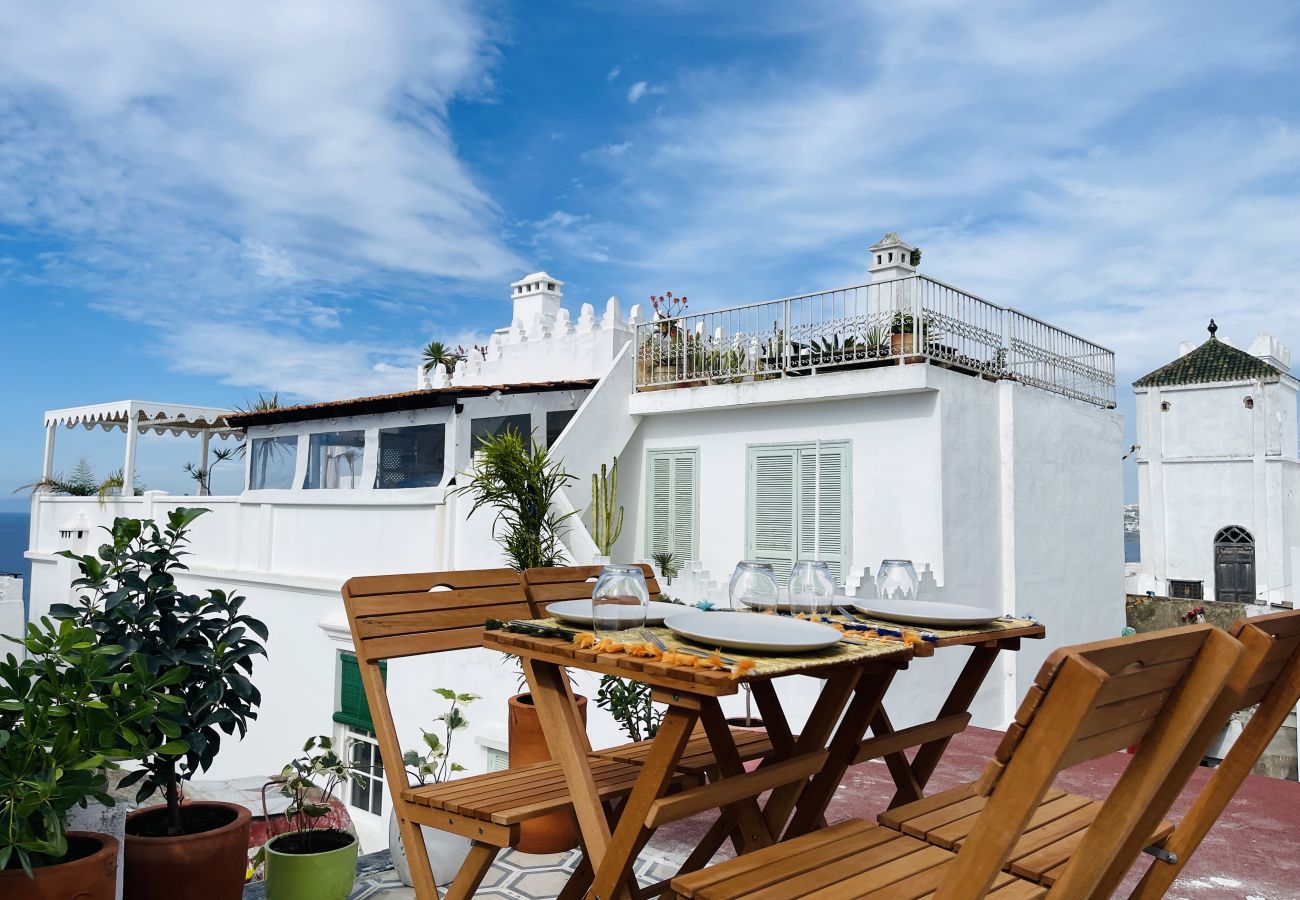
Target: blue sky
<point>199,202</point>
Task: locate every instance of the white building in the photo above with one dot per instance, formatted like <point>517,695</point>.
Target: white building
<point>898,418</point>
<point>1218,475</point>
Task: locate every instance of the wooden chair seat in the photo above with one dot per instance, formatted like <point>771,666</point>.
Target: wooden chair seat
<point>1049,839</point>
<point>853,859</point>
<point>697,758</point>
<point>516,795</point>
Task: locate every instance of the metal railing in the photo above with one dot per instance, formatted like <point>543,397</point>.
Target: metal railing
<point>910,319</point>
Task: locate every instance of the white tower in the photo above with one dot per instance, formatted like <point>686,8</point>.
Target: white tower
<point>1218,475</point>
<point>534,295</point>
<point>891,257</point>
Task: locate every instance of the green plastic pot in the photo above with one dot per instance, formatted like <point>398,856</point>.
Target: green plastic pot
<point>327,875</point>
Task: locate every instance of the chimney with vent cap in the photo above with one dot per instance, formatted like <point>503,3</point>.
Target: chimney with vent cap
<point>891,257</point>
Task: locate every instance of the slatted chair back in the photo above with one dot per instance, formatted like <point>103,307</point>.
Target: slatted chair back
<point>1087,701</point>
<point>395,616</point>
<point>572,583</point>
<point>1267,676</point>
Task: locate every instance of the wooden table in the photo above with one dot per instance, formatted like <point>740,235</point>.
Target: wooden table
<point>802,772</point>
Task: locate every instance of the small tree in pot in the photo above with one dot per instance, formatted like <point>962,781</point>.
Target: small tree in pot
<point>63,720</point>
<point>204,646</point>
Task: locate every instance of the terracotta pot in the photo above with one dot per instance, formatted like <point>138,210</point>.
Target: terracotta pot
<point>556,832</point>
<point>209,865</point>
<point>903,342</point>
<point>90,877</point>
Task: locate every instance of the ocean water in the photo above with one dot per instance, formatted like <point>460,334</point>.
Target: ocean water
<point>13,543</point>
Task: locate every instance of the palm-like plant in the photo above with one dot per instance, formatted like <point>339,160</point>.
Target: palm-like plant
<point>81,483</point>
<point>522,485</point>
<point>436,353</point>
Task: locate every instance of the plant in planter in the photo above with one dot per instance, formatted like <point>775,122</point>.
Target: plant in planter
<point>309,862</point>
<point>65,718</point>
<point>523,486</point>
<point>903,329</point>
<point>203,647</point>
<point>666,560</point>
<point>606,524</point>
<point>629,703</point>
<point>431,766</point>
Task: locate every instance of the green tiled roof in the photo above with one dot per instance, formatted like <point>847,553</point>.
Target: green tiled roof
<point>1212,361</point>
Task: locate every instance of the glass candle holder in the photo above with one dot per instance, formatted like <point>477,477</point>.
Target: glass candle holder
<point>897,580</point>
<point>812,587</point>
<point>619,603</point>
<point>753,585</point>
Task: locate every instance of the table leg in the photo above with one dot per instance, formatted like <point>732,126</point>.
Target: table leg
<point>657,773</point>
<point>906,783</point>
<point>958,701</point>
<point>816,731</point>
<point>566,739</point>
<point>752,831</point>
<point>862,710</point>
<point>774,721</point>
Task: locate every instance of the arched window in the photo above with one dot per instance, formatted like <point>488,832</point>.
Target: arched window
<point>1234,565</point>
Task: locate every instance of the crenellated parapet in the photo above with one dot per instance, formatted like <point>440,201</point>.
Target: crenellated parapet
<point>543,341</point>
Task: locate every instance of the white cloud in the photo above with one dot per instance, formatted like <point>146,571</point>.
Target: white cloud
<point>640,89</point>
<point>613,73</point>
<point>245,164</point>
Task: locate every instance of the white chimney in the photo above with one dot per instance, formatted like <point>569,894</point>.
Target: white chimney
<point>891,257</point>
<point>1272,351</point>
<point>536,295</point>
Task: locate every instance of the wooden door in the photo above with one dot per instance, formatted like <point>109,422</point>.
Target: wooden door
<point>1234,566</point>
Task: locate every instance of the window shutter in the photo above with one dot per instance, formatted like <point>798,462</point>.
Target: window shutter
<point>685,507</point>
<point>823,518</point>
<point>672,500</point>
<point>352,707</point>
<point>770,530</point>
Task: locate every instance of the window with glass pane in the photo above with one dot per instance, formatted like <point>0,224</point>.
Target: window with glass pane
<point>410,457</point>
<point>672,503</point>
<point>366,792</point>
<point>798,505</point>
<point>334,459</point>
<point>556,421</point>
<point>492,426</point>
<point>272,463</point>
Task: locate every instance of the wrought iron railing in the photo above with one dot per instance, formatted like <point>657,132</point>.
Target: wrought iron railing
<point>911,319</point>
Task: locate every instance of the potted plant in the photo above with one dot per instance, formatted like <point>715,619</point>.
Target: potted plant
<point>522,481</point>
<point>447,851</point>
<point>311,863</point>
<point>902,333</point>
<point>64,720</point>
<point>629,703</point>
<point>203,647</point>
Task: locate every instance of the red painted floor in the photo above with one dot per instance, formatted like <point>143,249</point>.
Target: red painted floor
<point>1253,851</point>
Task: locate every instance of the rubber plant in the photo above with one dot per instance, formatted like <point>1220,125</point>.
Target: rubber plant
<point>203,646</point>
<point>629,703</point>
<point>606,516</point>
<point>65,719</point>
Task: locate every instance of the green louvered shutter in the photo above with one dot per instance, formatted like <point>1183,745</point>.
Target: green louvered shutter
<point>672,503</point>
<point>788,517</point>
<point>770,520</point>
<point>352,708</point>
<point>823,513</point>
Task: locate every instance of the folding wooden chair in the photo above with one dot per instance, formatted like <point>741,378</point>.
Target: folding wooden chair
<point>545,586</point>
<point>1268,673</point>
<point>409,615</point>
<point>1154,690</point>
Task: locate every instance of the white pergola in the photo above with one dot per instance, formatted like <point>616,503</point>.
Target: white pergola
<point>177,419</point>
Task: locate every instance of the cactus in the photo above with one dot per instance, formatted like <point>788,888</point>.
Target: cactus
<point>606,525</point>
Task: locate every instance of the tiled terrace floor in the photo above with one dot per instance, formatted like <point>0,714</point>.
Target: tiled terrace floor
<point>1251,853</point>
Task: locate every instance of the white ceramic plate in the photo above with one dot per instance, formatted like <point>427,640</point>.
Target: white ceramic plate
<point>752,631</point>
<point>925,612</point>
<point>578,612</point>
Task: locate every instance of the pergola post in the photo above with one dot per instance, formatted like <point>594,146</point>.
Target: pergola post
<point>128,465</point>
<point>205,484</point>
<point>47,470</point>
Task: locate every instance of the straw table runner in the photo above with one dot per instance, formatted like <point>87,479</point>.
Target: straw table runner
<point>730,668</point>
<point>1003,627</point>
